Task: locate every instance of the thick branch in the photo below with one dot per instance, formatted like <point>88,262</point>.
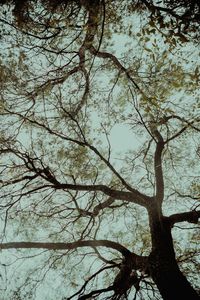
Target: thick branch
<point>137,260</point>
<point>190,216</point>
<point>66,246</point>
<point>158,167</point>
<point>135,197</point>
<point>92,23</point>
<point>102,205</point>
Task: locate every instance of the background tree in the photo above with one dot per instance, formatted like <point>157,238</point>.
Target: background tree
<point>78,217</point>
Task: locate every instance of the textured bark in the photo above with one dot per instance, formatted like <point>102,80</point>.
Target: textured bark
<point>162,264</point>
<point>171,283</point>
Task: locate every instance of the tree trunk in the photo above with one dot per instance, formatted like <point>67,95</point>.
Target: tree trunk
<point>171,283</point>
<point>162,264</point>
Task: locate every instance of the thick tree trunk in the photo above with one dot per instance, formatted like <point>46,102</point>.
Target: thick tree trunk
<point>163,267</point>
<point>171,283</point>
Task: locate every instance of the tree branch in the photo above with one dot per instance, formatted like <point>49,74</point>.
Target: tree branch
<point>158,166</point>
<point>134,196</point>
<point>138,261</point>
<point>189,123</point>
<point>117,63</point>
<point>143,198</point>
<point>191,217</point>
<point>176,135</point>
<point>87,281</point>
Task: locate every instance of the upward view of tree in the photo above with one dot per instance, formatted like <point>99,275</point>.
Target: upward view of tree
<point>100,152</point>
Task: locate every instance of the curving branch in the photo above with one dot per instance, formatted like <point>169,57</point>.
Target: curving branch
<point>176,134</point>
<point>96,292</point>
<point>80,291</point>
<point>188,124</point>
<point>26,32</point>
<point>117,64</point>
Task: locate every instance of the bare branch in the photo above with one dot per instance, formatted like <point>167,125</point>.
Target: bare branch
<point>190,216</point>
<point>138,260</point>
<point>134,196</point>
<point>176,135</point>
<point>117,63</point>
<point>158,166</point>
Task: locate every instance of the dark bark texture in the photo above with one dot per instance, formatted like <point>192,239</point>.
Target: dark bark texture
<point>163,266</point>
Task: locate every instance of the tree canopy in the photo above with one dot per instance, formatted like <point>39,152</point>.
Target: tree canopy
<point>100,122</point>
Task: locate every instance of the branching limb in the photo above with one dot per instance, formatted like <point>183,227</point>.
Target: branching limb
<point>87,281</point>
<point>96,292</point>
<point>137,261</point>
<point>132,195</point>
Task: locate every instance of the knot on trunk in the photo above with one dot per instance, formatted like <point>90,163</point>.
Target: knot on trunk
<point>125,279</point>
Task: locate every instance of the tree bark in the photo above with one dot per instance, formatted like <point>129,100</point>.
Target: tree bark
<point>162,264</point>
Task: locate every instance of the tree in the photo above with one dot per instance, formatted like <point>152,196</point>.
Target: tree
<point>83,217</point>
